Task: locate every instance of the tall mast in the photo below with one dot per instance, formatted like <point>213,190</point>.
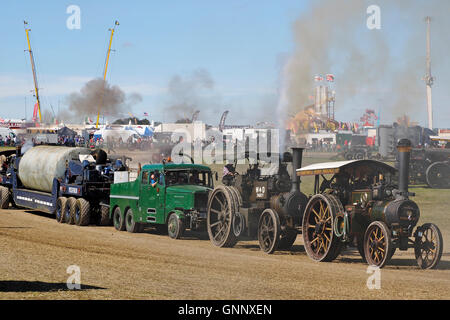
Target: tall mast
<point>33,68</point>
<point>428,77</point>
<point>116,23</point>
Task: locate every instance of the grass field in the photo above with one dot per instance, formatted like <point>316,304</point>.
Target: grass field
<point>35,252</point>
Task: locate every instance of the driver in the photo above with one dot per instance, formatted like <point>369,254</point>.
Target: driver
<point>153,180</point>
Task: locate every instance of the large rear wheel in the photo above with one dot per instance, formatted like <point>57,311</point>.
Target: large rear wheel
<point>220,215</point>
<point>320,242</point>
<point>438,175</point>
<point>428,246</point>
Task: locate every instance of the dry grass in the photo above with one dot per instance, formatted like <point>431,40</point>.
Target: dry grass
<point>35,252</point>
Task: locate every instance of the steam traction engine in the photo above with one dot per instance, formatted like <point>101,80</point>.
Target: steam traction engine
<point>362,202</point>
<point>252,205</point>
<point>431,166</point>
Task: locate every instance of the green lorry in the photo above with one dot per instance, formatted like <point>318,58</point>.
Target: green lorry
<point>169,196</point>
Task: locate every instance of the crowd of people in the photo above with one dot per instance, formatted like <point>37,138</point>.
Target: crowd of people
<point>8,140</point>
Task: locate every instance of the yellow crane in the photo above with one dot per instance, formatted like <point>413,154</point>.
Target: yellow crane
<point>33,68</point>
<point>116,23</point>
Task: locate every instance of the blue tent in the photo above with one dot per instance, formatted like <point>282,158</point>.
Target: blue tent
<point>148,132</point>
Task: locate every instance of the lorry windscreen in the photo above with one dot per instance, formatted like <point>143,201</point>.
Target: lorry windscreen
<point>189,176</point>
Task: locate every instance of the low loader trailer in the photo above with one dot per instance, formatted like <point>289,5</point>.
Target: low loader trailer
<point>72,183</point>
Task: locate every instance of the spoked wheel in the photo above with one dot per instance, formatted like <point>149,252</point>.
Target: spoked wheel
<point>428,246</point>
<point>238,221</point>
<point>378,244</point>
<point>320,242</point>
<point>220,215</point>
<point>438,175</point>
<point>269,231</point>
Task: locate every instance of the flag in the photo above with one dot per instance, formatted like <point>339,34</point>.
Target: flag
<point>145,114</point>
<point>318,78</point>
<point>330,77</point>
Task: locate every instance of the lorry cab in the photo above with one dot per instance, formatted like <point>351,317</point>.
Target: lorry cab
<point>168,196</point>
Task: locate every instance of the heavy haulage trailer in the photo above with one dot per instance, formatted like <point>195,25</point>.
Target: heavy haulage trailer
<point>72,183</point>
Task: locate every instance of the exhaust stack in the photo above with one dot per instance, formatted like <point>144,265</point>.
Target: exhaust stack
<point>297,155</point>
<point>404,154</point>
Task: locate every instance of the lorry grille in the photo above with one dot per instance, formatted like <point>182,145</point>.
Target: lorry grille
<point>201,200</point>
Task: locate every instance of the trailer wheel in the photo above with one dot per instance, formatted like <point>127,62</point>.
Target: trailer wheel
<point>131,225</point>
<point>61,204</point>
<point>81,212</point>
<point>220,215</point>
<point>175,227</point>
<point>4,197</point>
<point>119,221</point>
<point>269,230</point>
<point>70,206</point>
<point>105,220</point>
<point>378,244</point>
<point>321,244</point>
<point>428,246</point>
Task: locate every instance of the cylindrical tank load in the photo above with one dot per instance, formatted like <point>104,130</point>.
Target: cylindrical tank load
<point>41,164</point>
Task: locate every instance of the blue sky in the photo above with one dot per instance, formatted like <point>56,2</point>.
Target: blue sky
<point>240,43</point>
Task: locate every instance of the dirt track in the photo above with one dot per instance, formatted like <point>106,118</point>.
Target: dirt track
<point>35,252</point>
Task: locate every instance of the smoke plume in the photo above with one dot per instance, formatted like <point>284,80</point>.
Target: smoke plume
<point>380,69</point>
<point>190,93</point>
<point>98,95</point>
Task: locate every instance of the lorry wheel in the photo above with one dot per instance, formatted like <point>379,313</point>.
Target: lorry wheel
<point>175,227</point>
<point>119,221</point>
<point>70,206</point>
<point>82,212</point>
<point>4,198</point>
<point>105,220</point>
<point>131,225</point>
<point>61,204</point>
